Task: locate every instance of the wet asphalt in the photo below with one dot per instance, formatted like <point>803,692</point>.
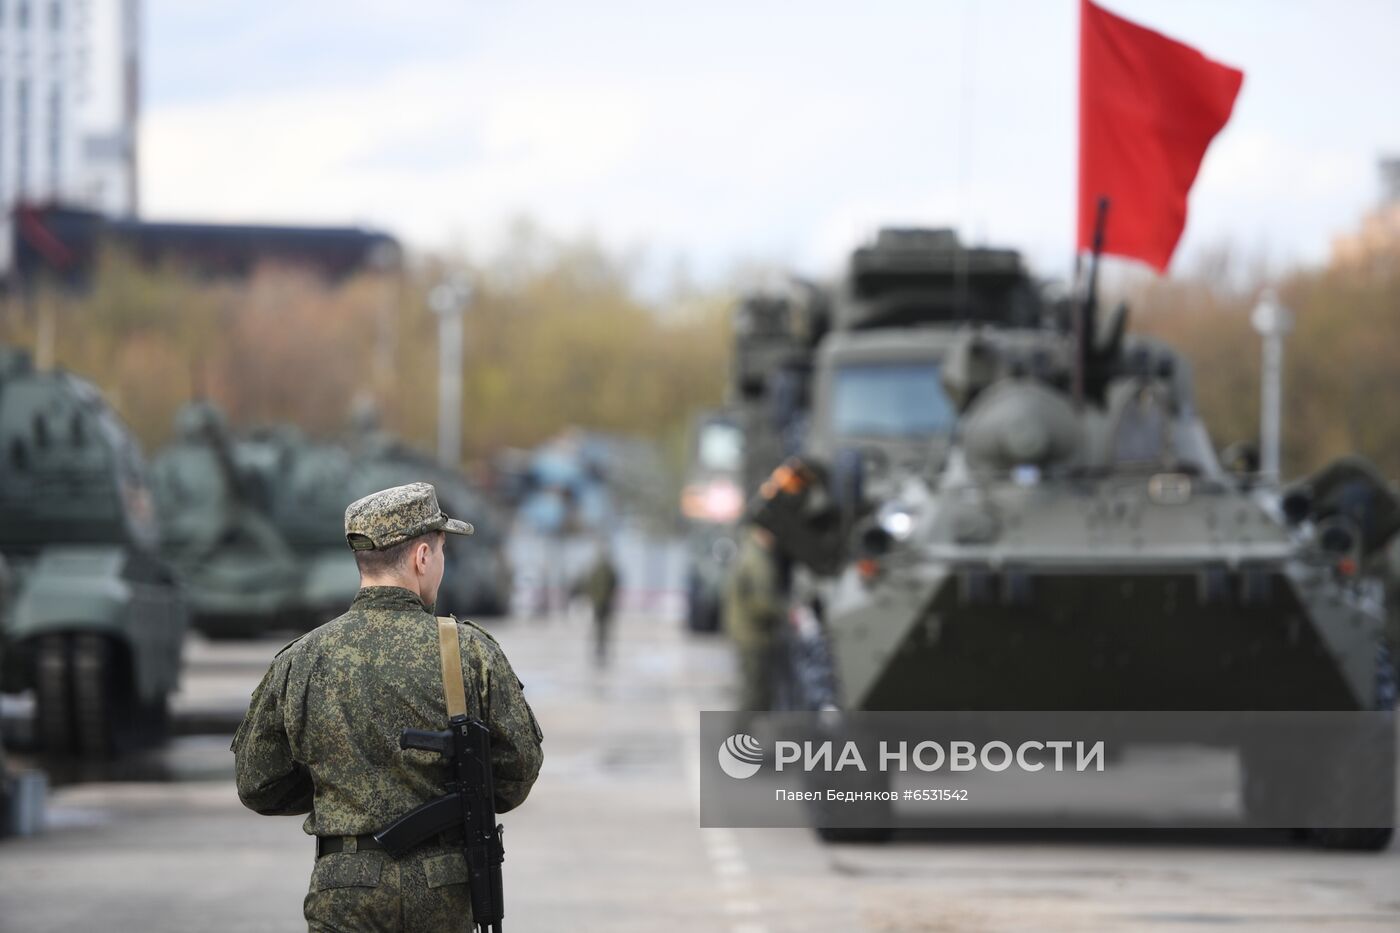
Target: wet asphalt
<point>610,838</point>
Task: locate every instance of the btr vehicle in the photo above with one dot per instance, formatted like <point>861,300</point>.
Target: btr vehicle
<point>1081,548</point>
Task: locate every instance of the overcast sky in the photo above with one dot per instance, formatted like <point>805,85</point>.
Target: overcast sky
<point>730,131</point>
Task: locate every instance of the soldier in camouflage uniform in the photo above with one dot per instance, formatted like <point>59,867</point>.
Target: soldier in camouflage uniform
<point>4,773</point>
<point>601,587</point>
<point>755,605</point>
<point>321,735</point>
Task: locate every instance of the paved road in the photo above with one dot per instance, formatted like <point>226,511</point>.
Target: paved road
<point>609,840</point>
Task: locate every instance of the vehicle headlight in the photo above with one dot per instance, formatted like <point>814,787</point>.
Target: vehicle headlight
<point>897,520</point>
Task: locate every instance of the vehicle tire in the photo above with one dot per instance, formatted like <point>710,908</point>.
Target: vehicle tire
<point>155,721</point>
<point>1330,791</point>
<point>1368,778</point>
<point>846,835</point>
<point>107,713</point>
<point>701,608</point>
<point>702,616</point>
<point>53,694</point>
<point>1366,781</point>
<point>1360,772</point>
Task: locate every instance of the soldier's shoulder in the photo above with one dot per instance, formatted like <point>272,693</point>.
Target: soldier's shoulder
<point>473,630</point>
<point>317,637</point>
<point>474,638</point>
<point>289,645</point>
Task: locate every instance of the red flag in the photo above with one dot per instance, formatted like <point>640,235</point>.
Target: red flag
<point>1148,108</point>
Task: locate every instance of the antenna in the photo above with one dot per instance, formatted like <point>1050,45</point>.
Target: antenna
<point>966,127</point>
<point>1085,323</point>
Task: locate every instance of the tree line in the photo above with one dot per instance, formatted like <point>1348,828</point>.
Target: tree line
<point>557,334</point>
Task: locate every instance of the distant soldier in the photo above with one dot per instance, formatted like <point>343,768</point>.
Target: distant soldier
<point>321,735</point>
<point>754,608</point>
<point>601,586</point>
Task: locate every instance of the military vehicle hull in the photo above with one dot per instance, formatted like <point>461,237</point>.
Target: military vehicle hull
<point>1087,552</point>
<point>254,524</point>
<point>95,622</point>
<point>477,577</point>
<point>979,639</point>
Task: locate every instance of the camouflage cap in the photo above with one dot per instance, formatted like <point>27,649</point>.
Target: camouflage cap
<point>391,516</point>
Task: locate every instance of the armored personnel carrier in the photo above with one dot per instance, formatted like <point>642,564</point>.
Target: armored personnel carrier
<point>820,370</point>
<point>852,371</point>
<point>95,623</point>
<point>1082,549</point>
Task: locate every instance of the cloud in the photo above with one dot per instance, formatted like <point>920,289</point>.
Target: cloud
<point>717,133</point>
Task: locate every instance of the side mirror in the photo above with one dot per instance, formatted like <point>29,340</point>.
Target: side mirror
<point>1336,536</point>
<point>873,541</point>
<point>1339,539</point>
<point>1297,504</point>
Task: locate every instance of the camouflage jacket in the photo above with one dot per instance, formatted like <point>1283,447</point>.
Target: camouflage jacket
<point>601,583</point>
<point>754,602</point>
<point>321,735</point>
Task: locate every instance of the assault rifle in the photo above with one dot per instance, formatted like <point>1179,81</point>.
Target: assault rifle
<point>468,805</point>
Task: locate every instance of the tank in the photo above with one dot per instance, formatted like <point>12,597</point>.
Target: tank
<point>95,622</point>
<point>239,572</point>
<point>1080,491</point>
<point>255,523</point>
<point>478,578</point>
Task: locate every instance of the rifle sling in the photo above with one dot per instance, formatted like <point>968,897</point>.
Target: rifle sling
<point>453,688</point>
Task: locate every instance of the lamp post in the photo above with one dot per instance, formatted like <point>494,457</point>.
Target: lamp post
<point>387,262</point>
<point>1273,322</point>
<point>449,300</point>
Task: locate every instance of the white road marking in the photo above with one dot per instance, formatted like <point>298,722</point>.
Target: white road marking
<point>721,844</point>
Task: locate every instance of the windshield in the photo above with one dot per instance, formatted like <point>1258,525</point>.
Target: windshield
<point>890,400</point>
<point>721,447</point>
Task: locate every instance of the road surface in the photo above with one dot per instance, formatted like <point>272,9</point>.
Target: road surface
<point>610,839</point>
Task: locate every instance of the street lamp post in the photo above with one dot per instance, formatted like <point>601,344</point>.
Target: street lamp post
<point>1273,322</point>
<point>387,263</point>
<point>448,300</point>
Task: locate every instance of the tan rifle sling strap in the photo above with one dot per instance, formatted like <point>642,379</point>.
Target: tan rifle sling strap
<point>453,688</point>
